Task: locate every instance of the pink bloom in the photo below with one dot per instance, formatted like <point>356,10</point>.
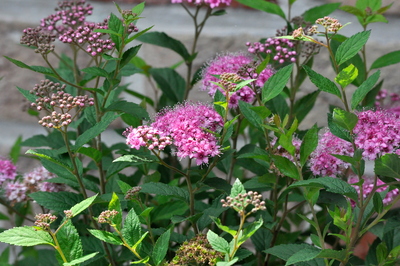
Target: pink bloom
<point>146,136</point>
<point>281,50</point>
<point>7,170</point>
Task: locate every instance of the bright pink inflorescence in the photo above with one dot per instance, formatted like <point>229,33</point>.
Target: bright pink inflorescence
<point>233,63</point>
<point>186,127</point>
<point>31,182</point>
<point>281,50</point>
<point>369,185</point>
<point>376,133</point>
<point>211,3</point>
<point>8,171</point>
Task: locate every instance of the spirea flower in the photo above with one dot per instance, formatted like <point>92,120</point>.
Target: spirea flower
<point>369,185</point>
<point>188,125</point>
<point>281,50</point>
<point>388,101</point>
<point>211,3</point>
<point>376,133</point>
<point>146,136</point>
<point>234,63</point>
<point>8,171</point>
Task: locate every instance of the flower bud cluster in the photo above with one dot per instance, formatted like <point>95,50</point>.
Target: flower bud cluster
<point>229,80</point>
<point>282,50</point>
<point>197,251</point>
<point>37,38</point>
<point>132,193</point>
<point>146,136</point>
<point>330,24</point>
<point>241,201</point>
<point>70,14</point>
<point>68,214</point>
<point>106,217</point>
<point>44,220</point>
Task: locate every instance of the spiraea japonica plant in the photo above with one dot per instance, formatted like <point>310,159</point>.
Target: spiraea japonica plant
<point>232,181</point>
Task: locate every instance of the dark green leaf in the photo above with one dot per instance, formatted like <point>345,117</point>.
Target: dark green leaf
<point>163,40</point>
<point>311,15</point>
<point>352,10</point>
<point>106,237</point>
<point>322,83</point>
<point>161,247</point>
<point>285,251</point>
<point>351,46</point>
<point>30,97</point>
<point>337,130</point>
<point>217,242</point>
<point>363,90</point>
<point>308,145</point>
<point>264,6</point>
<point>387,60</point>
<point>275,84</point>
<point>56,201</point>
<point>388,165</point>
<point>16,150</point>
<point>69,241</point>
<point>303,255</point>
<point>305,104</point>
<point>170,82</point>
<point>169,209</point>
<point>131,230</point>
<point>129,54</point>
<point>286,167</point>
<point>250,115</point>
<point>344,119</point>
<point>164,189</point>
<point>129,108</point>
<point>96,71</point>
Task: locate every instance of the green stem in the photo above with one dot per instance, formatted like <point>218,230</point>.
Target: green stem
<point>57,246</point>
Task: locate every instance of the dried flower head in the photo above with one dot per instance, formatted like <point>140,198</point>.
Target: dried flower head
<point>39,39</point>
<point>197,251</point>
<point>330,24</point>
<point>132,193</point>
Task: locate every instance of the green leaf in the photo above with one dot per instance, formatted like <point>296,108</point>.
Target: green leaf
<point>322,83</point>
<point>337,130</point>
<point>352,10</point>
<point>138,9</point>
<point>81,259</point>
<point>388,165</point>
<point>169,209</point>
<point>106,237</point>
<point>387,60</point>
<point>264,6</point>
<point>164,189</point>
<point>129,54</point>
<point>91,153</point>
<point>16,150</point>
<point>170,82</point>
<point>130,108</point>
<point>250,230</point>
<point>344,119</point>
<point>250,115</point>
<point>331,184</point>
<point>163,40</point>
<point>30,97</point>
<point>134,160</point>
<point>237,188</point>
<point>131,230</point>
<point>26,236</point>
<point>286,166</point>
<point>351,46</point>
<point>69,241</point>
<point>303,255</point>
<point>339,255</point>
<point>39,69</point>
<point>275,84</point>
<point>285,251</point>
<point>83,205</point>
<point>218,243</point>
<point>311,15</point>
<point>96,71</point>
<point>94,131</point>
<point>347,75</point>
<point>56,201</point>
<point>308,145</point>
<point>364,88</point>
<point>224,228</point>
<point>305,104</point>
<point>161,247</point>
<point>115,204</point>
<point>137,35</point>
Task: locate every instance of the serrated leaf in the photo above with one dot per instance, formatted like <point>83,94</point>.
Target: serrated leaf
<point>161,247</point>
<point>250,230</point>
<point>303,255</point>
<point>311,15</point>
<point>69,241</point>
<point>347,75</point>
<point>285,251</point>
<point>81,259</point>
<point>264,6</point>
<point>337,130</point>
<point>308,145</point>
<point>26,236</point>
<point>131,231</point>
<point>218,243</point>
<point>164,189</point>
<point>364,88</point>
<point>250,115</point>
<point>286,166</point>
<point>56,201</point>
<point>130,108</point>
<point>94,131</point>
<point>331,184</point>
<point>387,60</point>
<point>163,40</point>
<point>237,188</point>
<point>106,237</point>
<point>224,228</point>
<point>344,119</point>
<point>95,71</point>
<point>170,82</point>
<point>351,46</point>
<point>275,84</point>
<point>322,83</point>
<point>83,205</point>
<point>388,165</point>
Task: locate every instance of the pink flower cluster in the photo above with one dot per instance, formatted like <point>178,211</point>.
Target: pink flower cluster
<point>376,133</point>
<point>187,126</point>
<point>143,136</point>
<point>211,3</point>
<point>233,63</point>
<point>31,182</point>
<point>8,171</point>
<point>391,103</point>
<point>85,34</point>
<point>281,50</point>
<point>69,15</point>
<point>369,185</point>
